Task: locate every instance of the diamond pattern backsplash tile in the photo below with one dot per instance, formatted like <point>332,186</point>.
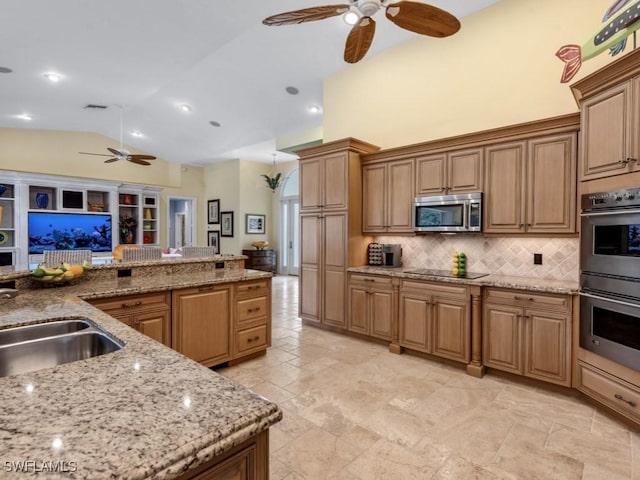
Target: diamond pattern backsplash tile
<point>503,256</point>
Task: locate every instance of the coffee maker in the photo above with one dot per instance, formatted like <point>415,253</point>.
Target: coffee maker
<point>391,255</point>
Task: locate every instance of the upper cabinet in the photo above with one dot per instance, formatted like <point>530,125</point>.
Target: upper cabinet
<point>387,196</point>
<point>324,182</point>
<point>531,186</point>
<point>449,173</point>
<point>610,119</point>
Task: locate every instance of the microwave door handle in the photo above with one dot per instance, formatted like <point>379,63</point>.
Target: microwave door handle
<point>607,299</point>
<point>602,214</point>
<point>467,215</point>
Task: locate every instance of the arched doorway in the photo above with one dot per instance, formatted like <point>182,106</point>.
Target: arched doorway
<point>289,254</point>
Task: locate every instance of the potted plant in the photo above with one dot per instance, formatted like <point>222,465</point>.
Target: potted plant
<point>128,227</point>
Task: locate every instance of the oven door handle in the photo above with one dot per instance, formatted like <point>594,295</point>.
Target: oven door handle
<point>602,214</point>
<point>607,299</point>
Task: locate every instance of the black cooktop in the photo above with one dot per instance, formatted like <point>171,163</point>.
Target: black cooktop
<point>444,273</point>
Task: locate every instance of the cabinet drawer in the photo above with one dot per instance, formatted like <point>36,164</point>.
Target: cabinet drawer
<point>250,339</point>
<point>132,303</point>
<point>256,288</point>
<point>262,261</point>
<point>251,309</point>
<point>371,280</point>
<point>524,298</point>
<point>427,288</point>
<point>623,398</point>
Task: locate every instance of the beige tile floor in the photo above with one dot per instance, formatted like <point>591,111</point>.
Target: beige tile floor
<point>354,411</point>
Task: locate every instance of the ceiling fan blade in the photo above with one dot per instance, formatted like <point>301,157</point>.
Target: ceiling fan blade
<point>117,153</point>
<point>139,162</point>
<point>142,157</point>
<point>97,154</point>
<point>305,15</point>
<point>111,160</point>
<point>423,19</point>
<point>359,40</point>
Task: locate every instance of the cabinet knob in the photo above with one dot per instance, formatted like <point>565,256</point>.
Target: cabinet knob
<point>521,225</point>
<point>622,399</point>
<point>628,160</point>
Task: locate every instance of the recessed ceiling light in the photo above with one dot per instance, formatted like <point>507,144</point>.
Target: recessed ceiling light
<point>25,116</point>
<point>351,17</point>
<point>136,133</point>
<point>292,90</point>
<point>185,108</point>
<point>314,109</point>
<point>213,123</point>
<point>52,77</point>
<point>5,70</point>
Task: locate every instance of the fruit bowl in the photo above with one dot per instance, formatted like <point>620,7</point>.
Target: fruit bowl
<point>260,244</point>
<point>61,275</point>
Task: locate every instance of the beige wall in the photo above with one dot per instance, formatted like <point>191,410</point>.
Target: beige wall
<point>499,69</point>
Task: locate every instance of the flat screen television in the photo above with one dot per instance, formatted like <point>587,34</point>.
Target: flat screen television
<point>69,231</point>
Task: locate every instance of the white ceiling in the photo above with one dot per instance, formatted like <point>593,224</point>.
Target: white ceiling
<point>153,55</point>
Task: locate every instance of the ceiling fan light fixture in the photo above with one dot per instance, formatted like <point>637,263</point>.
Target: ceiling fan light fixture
<point>350,17</point>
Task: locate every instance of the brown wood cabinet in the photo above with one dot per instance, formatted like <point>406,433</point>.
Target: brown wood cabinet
<point>435,318</point>
<point>528,334</point>
<point>449,173</point>
<point>331,237</point>
<point>387,196</point>
<point>202,323</point>
<point>530,186</point>
<point>149,313</point>
<point>247,461</point>
<point>610,119</point>
<point>264,259</point>
<point>371,309</point>
<point>252,324</point>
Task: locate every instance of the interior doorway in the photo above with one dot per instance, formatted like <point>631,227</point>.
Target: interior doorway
<point>181,222</point>
<point>289,254</point>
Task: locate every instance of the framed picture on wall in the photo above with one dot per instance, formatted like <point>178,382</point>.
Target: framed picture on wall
<point>255,223</point>
<point>226,224</point>
<point>213,211</point>
<point>214,240</point>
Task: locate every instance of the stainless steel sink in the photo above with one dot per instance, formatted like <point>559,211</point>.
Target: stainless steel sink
<point>60,342</point>
<point>40,330</point>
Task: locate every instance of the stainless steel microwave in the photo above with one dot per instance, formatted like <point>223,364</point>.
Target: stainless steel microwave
<point>448,213</point>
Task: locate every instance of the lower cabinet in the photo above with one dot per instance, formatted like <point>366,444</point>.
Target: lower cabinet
<point>435,318</point>
<point>148,313</point>
<point>371,306</point>
<point>247,461</point>
<point>528,334</point>
<point>201,323</point>
<point>252,317</point>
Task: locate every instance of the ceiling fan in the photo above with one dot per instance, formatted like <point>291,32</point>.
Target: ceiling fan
<point>121,153</point>
<point>414,16</point>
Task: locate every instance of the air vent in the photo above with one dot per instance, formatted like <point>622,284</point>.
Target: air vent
<point>91,106</point>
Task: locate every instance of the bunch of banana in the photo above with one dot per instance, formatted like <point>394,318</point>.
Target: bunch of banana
<point>63,273</point>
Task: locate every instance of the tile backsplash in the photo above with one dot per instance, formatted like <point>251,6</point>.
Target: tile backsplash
<point>496,255</point>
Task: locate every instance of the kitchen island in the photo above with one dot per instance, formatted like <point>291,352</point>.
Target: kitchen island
<point>144,411</point>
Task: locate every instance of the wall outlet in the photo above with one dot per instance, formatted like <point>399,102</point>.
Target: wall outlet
<point>537,259</point>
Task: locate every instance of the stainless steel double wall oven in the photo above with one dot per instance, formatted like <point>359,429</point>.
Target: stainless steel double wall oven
<point>610,275</point>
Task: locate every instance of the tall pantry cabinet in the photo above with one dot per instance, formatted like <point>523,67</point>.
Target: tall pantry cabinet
<point>331,237</point>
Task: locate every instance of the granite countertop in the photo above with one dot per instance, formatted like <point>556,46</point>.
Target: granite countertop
<point>503,281</point>
<point>142,411</point>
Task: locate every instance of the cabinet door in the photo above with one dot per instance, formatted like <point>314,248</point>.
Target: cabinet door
<point>373,197</point>
<point>431,174</point>
<point>551,184</point>
<point>335,264</point>
<point>547,346</point>
<point>451,329</point>
<point>502,337</point>
<point>310,258</point>
<point>201,322</point>
<point>336,178</point>
<point>415,322</point>
<point>156,325</point>
<point>310,184</point>
<point>504,188</point>
<point>381,314</point>
<point>464,171</point>
<point>357,320</point>
<point>606,133</point>
<point>399,196</point>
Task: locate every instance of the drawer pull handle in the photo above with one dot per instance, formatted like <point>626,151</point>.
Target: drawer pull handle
<point>369,280</point>
<point>205,289</point>
<point>134,304</point>
<point>253,339</point>
<point>528,299</point>
<point>254,287</point>
<point>251,310</point>
<point>621,398</point>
